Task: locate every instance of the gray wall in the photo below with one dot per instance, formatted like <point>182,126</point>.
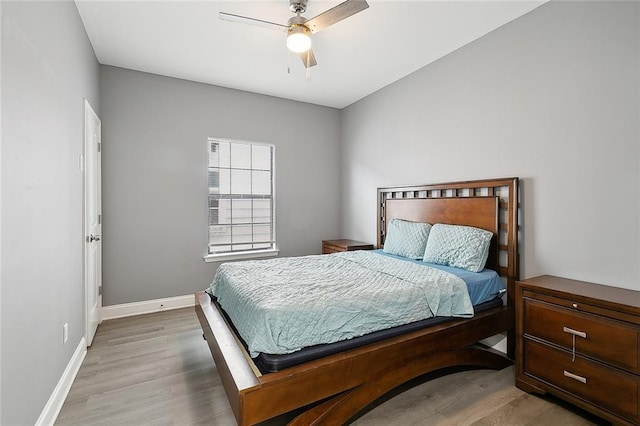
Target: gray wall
<point>551,97</point>
<point>155,132</point>
<point>48,67</point>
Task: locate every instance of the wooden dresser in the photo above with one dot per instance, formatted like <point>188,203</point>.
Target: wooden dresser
<point>579,341</point>
<point>335,246</point>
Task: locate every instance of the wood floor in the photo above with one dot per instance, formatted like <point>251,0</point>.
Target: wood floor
<point>157,370</point>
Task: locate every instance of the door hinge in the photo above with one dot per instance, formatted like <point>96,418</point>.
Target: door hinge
<point>99,146</point>
<point>99,290</point>
<point>99,219</point>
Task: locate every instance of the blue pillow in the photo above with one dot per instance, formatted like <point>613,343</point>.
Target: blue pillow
<point>463,247</point>
<point>406,239</point>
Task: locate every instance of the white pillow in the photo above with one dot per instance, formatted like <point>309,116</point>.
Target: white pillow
<point>406,239</point>
<point>463,247</point>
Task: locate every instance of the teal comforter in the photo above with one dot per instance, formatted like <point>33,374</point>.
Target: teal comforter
<point>282,305</point>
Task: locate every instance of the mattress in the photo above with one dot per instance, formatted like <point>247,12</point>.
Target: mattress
<point>282,305</point>
<point>485,288</point>
<point>482,286</point>
<point>269,363</point>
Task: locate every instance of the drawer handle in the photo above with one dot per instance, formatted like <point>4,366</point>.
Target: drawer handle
<point>575,332</point>
<point>575,377</point>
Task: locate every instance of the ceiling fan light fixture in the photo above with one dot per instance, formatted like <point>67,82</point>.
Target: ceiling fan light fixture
<point>299,28</point>
<point>299,38</point>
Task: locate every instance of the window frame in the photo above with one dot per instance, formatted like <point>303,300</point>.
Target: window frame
<point>253,253</point>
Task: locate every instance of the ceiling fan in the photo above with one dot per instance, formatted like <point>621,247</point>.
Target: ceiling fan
<point>299,28</point>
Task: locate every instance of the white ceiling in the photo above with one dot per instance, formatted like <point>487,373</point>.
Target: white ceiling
<point>356,57</point>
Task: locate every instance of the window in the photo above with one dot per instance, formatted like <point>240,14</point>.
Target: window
<point>241,199</point>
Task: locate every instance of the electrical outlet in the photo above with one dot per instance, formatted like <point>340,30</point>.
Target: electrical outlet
<point>65,333</point>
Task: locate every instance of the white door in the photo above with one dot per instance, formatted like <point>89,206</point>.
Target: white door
<point>92,222</point>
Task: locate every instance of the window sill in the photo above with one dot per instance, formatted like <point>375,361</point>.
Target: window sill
<point>240,255</point>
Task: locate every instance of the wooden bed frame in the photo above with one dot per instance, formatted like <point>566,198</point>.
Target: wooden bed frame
<point>335,388</point>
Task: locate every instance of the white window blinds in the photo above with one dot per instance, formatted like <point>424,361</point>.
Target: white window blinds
<point>241,196</point>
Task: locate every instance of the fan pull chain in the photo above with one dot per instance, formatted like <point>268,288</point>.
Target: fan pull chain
<point>308,73</point>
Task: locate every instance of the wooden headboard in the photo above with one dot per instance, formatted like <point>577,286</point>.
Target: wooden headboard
<point>488,204</point>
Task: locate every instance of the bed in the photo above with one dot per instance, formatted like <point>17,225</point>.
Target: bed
<point>333,388</point>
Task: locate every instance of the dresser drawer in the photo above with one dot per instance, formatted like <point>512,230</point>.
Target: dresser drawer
<point>598,337</point>
<point>597,383</point>
<point>328,249</point>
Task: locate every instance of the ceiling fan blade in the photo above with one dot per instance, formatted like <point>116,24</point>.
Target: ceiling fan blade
<point>336,14</point>
<point>308,59</point>
<point>252,21</point>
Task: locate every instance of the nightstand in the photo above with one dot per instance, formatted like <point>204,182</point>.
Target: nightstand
<point>335,246</point>
<point>579,341</point>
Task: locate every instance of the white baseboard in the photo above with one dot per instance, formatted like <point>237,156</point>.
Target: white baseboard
<point>147,307</point>
<point>54,405</point>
